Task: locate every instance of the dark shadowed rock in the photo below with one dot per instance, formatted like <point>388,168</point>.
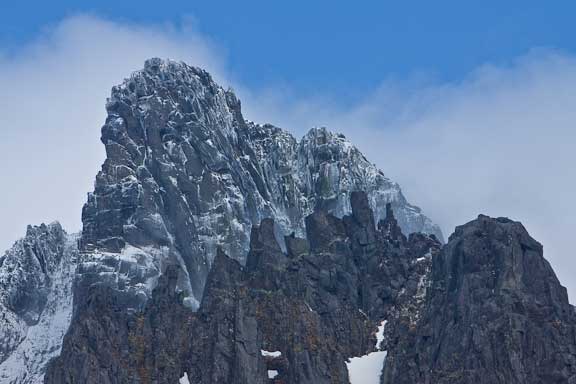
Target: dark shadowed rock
<point>265,252</point>
<point>389,226</point>
<point>185,174</point>
<point>486,308</point>
<point>299,315</point>
<point>495,313</point>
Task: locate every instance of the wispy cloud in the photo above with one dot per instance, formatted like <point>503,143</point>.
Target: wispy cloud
<point>52,106</point>
<point>499,142</point>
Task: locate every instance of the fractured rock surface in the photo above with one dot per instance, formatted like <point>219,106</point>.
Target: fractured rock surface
<point>185,174</point>
<point>495,313</point>
<point>217,250</point>
<point>296,315</point>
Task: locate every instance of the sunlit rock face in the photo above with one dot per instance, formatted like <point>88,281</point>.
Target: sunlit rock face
<point>185,174</point>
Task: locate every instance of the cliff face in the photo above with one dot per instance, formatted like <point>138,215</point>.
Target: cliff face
<point>355,302</point>
<point>293,316</point>
<point>495,313</point>
<point>186,174</point>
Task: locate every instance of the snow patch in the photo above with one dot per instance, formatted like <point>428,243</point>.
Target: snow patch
<point>271,354</point>
<point>184,379</point>
<point>367,369</point>
<point>272,373</point>
<point>380,334</point>
<point>191,302</point>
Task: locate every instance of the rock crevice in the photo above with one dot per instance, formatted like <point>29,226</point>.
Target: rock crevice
<point>315,306</point>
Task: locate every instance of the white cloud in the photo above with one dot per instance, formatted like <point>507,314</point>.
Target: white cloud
<point>500,142</point>
<point>52,106</point>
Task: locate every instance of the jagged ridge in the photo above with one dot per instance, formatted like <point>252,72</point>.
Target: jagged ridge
<point>185,174</point>
<point>495,313</point>
<point>35,301</point>
<point>311,307</point>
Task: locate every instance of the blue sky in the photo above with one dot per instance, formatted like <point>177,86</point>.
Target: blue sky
<point>468,105</point>
<point>340,47</point>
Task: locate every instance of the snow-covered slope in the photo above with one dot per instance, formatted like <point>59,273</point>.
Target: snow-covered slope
<point>185,173</point>
<point>36,277</point>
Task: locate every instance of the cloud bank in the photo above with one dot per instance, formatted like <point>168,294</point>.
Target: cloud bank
<point>500,142</point>
<point>52,99</point>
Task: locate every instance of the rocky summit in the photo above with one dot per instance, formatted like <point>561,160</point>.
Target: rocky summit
<point>495,313</point>
<point>186,174</point>
<point>218,250</point>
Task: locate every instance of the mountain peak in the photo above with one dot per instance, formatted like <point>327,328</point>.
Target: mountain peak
<point>186,269</point>
<point>495,306</point>
<point>186,174</point>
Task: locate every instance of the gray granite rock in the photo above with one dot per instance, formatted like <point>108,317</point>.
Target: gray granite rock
<point>297,316</point>
<point>186,174</point>
<point>218,250</point>
<point>495,313</point>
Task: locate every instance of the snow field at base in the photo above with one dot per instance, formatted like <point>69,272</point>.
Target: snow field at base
<point>367,369</point>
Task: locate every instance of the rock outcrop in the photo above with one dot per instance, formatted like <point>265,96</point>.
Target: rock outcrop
<point>495,313</point>
<point>186,174</point>
<point>293,316</point>
<point>217,250</point>
<point>35,301</point>
<point>485,308</point>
